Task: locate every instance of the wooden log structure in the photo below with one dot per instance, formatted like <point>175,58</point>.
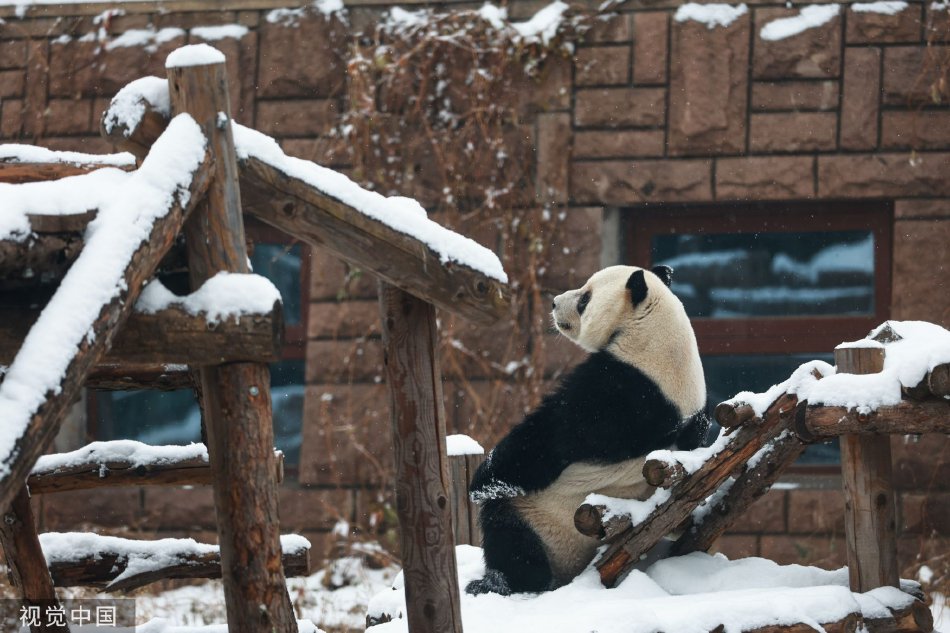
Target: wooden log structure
<point>822,422</point>
<point>17,172</point>
<point>235,397</point>
<point>170,337</point>
<point>128,377</point>
<point>730,415</point>
<point>46,420</point>
<point>95,474</point>
<point>102,568</point>
<point>426,544</point>
<point>916,618</point>
<point>662,474</point>
<point>26,566</point>
<point>464,512</point>
<point>870,506</point>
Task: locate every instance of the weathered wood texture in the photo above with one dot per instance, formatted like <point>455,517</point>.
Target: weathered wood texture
<point>730,415</point>
<point>127,377</point>
<point>139,140</point>
<point>422,480</point>
<point>464,511</point>
<point>95,474</point>
<point>930,416</point>
<point>625,549</point>
<point>870,513</point>
<point>297,208</point>
<point>39,259</point>
<point>590,520</point>
<point>171,336</point>
<point>235,397</point>
<point>26,565</point>
<point>662,474</point>
<point>102,569</point>
<point>45,423</point>
<point>15,172</point>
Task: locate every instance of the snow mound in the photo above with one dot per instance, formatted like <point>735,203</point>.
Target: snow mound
<point>135,453</point>
<point>194,55</point>
<point>676,594</point>
<point>462,445</point>
<point>223,296</point>
<point>128,105</point>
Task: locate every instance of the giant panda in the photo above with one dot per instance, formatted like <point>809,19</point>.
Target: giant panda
<point>641,388</point>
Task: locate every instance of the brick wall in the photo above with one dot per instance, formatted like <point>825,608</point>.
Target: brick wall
<point>648,111</point>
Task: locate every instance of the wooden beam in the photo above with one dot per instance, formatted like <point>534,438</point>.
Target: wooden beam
<point>26,565</point>
<point>426,542</point>
<point>18,172</point>
<point>929,416</point>
<point>235,398</point>
<point>870,512</point>
<point>45,420</point>
<point>127,377</point>
<point>465,525</point>
<point>171,337</point>
<point>36,260</point>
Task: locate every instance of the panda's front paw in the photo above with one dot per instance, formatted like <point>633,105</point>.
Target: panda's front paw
<point>493,582</point>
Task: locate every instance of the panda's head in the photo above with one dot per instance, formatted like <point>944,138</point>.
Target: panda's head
<point>617,302</point>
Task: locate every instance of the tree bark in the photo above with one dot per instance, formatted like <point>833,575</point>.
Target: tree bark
<point>930,416</point>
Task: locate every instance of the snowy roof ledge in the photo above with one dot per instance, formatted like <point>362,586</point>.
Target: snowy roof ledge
<point>389,237</point>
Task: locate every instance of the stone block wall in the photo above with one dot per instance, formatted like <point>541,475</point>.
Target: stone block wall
<point>649,110</point>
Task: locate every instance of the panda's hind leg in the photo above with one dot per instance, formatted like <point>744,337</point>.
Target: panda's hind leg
<point>515,559</point>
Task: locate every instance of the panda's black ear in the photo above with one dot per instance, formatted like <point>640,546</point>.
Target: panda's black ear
<point>665,273</point>
<point>637,284</point>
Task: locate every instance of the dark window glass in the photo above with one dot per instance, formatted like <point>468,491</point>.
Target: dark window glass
<point>728,375</point>
<point>281,264</point>
<point>745,275</point>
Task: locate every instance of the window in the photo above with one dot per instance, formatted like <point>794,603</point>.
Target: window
<point>771,285</point>
<point>173,417</point>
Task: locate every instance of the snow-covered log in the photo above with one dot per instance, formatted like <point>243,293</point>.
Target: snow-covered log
<point>136,226</point>
<point>930,416</point>
<point>118,564</point>
<point>26,163</point>
<point>125,463</point>
<point>916,618</point>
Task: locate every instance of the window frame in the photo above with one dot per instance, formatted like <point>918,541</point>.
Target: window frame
<point>762,335</point>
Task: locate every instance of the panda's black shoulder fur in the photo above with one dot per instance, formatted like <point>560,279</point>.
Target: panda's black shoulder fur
<point>604,411</point>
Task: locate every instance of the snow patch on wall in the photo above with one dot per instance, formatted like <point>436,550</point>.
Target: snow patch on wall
<point>291,17</point>
<point>808,18</point>
<point>712,15</point>
<point>149,39</point>
<point>224,31</point>
<point>887,7</point>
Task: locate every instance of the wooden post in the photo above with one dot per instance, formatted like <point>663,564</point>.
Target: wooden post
<point>464,511</point>
<point>422,480</point>
<point>236,396</point>
<point>26,564</point>
<point>870,523</point>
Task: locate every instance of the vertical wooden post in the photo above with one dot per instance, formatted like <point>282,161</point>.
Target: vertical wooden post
<point>26,564</point>
<point>870,522</point>
<point>422,481</point>
<point>464,513</point>
<point>236,396</point>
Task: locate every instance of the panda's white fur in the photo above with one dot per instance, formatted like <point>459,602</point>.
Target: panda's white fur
<point>588,436</point>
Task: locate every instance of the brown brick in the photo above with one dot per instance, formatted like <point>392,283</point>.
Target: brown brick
<point>793,132</point>
<point>301,117</point>
<point>12,53</point>
<point>921,262</point>
<point>610,28</point>
<point>916,129</point>
<point>937,23</point>
<point>709,76</point>
<point>620,107</point>
<point>920,209</point>
<point>70,512</point>
<point>85,144</point>
<point>650,57</point>
<point>815,511</point>
<point>618,143</point>
<point>734,546</point>
<point>883,175</point>
<point>580,233</point>
<point>310,509</point>
<point>177,508</point>
<point>346,435</point>
<point>485,410</point>
<point>909,73</point>
<point>602,66</point>
<point>554,156</point>
<point>344,319</point>
<point>865,27</point>
<point>795,95</point>
<point>912,550</point>
<point>69,116</point>
<point>191,19</point>
<point>333,279</point>
<point>765,178</point>
<point>359,360</point>
<point>861,94</point>
<point>329,152</point>
<point>925,513</point>
<point>766,515</point>
<point>241,63</point>
<point>635,182</point>
<point>376,515</point>
<point>828,552</point>
<point>11,83</point>
<point>815,52</point>
<point>549,91</point>
<point>11,120</point>
<point>314,38</point>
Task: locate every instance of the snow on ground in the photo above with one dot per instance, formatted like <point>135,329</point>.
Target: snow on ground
<point>809,17</point>
<point>922,347</point>
<point>690,594</point>
<point>223,296</point>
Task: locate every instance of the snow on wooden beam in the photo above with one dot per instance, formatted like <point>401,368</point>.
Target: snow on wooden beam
<point>298,208</point>
<point>130,377</point>
<point>916,618</point>
<point>172,336</point>
<point>820,422</point>
<point>28,163</point>
<point>125,463</point>
<point>137,225</point>
<point>118,564</point>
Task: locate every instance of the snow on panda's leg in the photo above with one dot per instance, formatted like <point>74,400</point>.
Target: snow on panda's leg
<point>515,560</point>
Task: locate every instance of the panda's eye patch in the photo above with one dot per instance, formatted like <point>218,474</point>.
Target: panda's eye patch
<point>582,303</point>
